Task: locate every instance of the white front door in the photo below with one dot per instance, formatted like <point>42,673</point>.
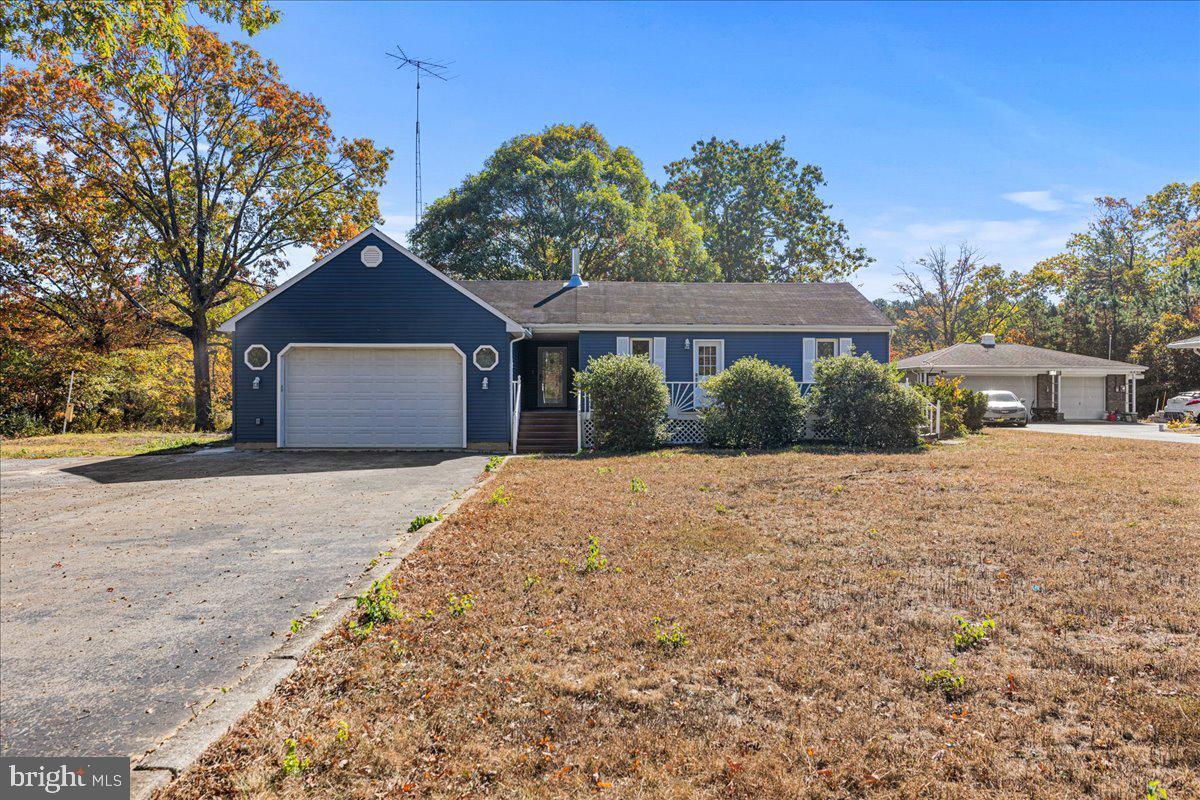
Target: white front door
<point>708,359</point>
<point>372,397</point>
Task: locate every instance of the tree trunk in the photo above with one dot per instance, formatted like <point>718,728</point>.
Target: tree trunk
<point>201,378</point>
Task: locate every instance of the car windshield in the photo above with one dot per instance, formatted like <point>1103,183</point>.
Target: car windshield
<point>1002,397</point>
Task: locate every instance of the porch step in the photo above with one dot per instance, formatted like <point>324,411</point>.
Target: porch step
<point>547,432</point>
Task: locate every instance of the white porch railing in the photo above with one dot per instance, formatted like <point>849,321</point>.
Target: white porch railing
<point>933,419</point>
<point>516,411</point>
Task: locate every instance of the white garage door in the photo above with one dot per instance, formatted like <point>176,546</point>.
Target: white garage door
<point>1023,386</point>
<point>1082,398</point>
<point>372,397</point>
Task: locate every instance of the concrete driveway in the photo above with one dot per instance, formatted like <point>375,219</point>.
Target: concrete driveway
<point>134,589</point>
<point>1118,430</point>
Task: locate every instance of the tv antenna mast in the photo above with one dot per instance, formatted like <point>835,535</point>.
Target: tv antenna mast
<point>434,70</point>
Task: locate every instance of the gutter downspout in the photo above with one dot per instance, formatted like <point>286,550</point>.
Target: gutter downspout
<point>525,334</point>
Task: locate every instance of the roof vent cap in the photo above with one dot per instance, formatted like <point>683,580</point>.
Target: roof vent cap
<point>576,280</point>
<point>988,340</point>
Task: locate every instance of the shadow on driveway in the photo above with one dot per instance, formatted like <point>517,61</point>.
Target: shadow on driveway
<point>239,463</point>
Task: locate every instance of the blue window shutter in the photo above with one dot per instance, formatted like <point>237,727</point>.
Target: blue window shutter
<point>660,353</point>
<point>623,346</point>
<point>810,353</point>
<point>846,346</point>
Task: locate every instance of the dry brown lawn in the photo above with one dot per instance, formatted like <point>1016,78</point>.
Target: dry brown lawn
<point>814,590</point>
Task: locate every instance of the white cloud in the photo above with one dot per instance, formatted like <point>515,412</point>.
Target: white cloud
<point>1037,200</point>
<point>1015,244</point>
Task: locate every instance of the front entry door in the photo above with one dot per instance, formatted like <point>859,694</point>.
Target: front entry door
<point>552,377</point>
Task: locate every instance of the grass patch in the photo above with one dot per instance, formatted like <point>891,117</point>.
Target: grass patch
<point>125,443</point>
<point>794,638</point>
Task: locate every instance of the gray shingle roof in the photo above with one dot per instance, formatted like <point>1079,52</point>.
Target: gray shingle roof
<point>1020,356</point>
<point>626,303</point>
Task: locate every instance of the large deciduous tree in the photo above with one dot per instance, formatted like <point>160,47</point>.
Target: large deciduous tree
<point>92,33</point>
<point>761,215</point>
<point>179,194</point>
<point>539,195</point>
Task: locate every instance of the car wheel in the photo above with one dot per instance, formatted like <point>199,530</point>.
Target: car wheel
<point>1022,423</point>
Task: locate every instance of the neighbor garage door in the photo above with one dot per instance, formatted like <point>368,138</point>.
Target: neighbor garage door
<point>372,397</point>
<point>1023,386</point>
<point>1082,398</point>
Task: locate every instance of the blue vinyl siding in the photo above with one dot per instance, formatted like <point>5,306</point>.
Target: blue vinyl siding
<point>345,301</point>
<point>786,349</point>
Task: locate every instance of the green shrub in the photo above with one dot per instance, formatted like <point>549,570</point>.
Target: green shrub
<point>754,404</point>
<point>629,402</point>
<point>962,409</point>
<point>861,402</point>
<point>974,407</point>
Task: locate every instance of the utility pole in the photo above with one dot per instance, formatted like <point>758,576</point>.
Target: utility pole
<point>435,70</point>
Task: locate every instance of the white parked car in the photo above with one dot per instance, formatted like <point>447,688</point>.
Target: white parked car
<point>1182,405</point>
<point>1004,406</point>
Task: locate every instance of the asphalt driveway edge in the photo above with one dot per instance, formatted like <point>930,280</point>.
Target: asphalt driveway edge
<point>184,746</point>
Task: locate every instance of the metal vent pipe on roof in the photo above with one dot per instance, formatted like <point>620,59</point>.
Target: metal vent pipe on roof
<point>576,280</point>
<point>988,340</point>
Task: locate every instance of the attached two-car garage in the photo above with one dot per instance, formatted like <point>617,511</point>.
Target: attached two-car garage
<point>390,396</point>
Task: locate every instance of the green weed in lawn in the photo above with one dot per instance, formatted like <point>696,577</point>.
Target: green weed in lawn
<point>293,763</point>
<point>946,680</point>
<point>669,638</point>
<point>500,497</point>
<point>375,606</point>
<point>421,520</point>
<point>459,606</point>
<point>637,486</point>
<point>972,634</point>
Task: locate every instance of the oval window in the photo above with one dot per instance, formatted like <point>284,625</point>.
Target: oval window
<point>257,356</point>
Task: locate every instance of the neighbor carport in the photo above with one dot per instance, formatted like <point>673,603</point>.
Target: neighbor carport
<point>1052,384</point>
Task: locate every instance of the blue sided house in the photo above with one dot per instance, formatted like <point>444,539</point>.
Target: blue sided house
<point>373,347</point>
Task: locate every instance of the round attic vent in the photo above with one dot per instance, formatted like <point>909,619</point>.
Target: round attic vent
<point>372,256</point>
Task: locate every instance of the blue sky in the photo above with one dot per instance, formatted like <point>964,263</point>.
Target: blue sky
<point>934,123</point>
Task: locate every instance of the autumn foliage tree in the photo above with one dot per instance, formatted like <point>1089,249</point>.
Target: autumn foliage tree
<point>179,195</point>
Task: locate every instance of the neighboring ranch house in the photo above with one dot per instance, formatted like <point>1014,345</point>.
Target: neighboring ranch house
<point>1051,383</point>
<point>373,347</point>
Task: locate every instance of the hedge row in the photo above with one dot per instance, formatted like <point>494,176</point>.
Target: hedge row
<point>755,404</point>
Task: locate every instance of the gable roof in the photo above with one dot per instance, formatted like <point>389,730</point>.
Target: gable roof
<point>1186,344</point>
<point>972,355</point>
<point>615,304</point>
<point>228,325</point>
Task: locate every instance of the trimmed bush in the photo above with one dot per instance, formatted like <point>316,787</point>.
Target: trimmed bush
<point>754,404</point>
<point>629,402</point>
<point>858,401</point>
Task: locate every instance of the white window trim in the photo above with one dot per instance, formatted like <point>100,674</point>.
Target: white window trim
<point>837,348</point>
<point>246,357</point>
<point>475,357</point>
<point>696,345</point>
<point>281,372</point>
<point>649,340</point>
